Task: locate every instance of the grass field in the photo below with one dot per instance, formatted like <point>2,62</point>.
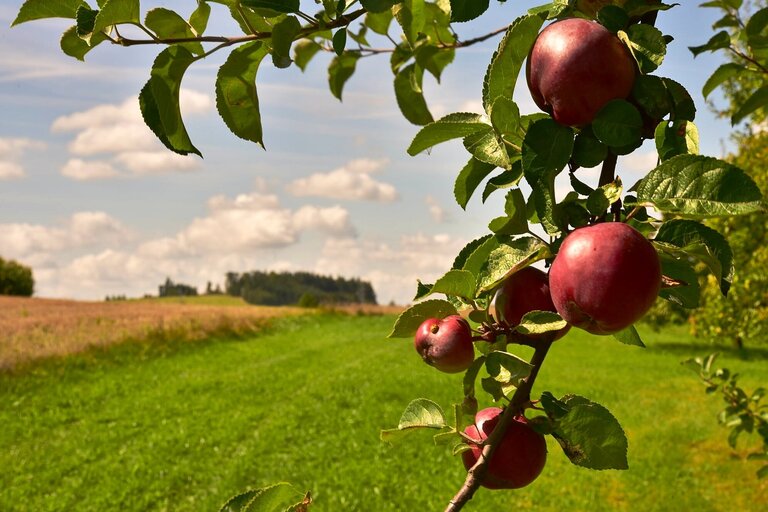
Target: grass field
<point>134,428</point>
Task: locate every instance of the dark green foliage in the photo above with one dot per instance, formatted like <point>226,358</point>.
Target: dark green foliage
<point>171,289</point>
<point>15,279</point>
<point>286,288</point>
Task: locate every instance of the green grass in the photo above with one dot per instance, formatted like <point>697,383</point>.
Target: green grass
<point>200,300</point>
<point>133,429</point>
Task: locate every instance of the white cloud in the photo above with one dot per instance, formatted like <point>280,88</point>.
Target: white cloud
<point>83,170</point>
<point>333,220</point>
<point>81,230</point>
<point>639,162</point>
<point>155,162</point>
<point>350,182</point>
<point>117,134</point>
<point>10,170</point>
<point>11,151</point>
<point>392,269</point>
<point>436,211</point>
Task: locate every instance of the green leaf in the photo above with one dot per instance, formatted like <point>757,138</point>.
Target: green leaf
<point>75,46</point>
<point>283,34</point>
<point>279,497</point>
<point>159,99</point>
<point>588,151</point>
<point>547,148</point>
<point>486,147</point>
<point>166,24</point>
<point>757,100</point>
<point>506,62</point>
<point>339,41</point>
<point>379,22</point>
<point>647,45</point>
<point>342,67</point>
<point>466,10</point>
<point>410,97</point>
<point>284,6</point>
<point>629,336</point>
<point>603,197</point>
<point>452,126</point>
<point>198,20</point>
<point>618,124</point>
<point>516,220</point>
<point>409,320</point>
<point>411,16</point>
<point>303,51</point>
<point>651,94</point>
<point>85,19</point>
<point>236,98</point>
<point>613,17</point>
<point>703,243</point>
<point>683,106</point>
<point>699,187</point>
<point>721,74</point>
<point>509,257</point>
<point>719,41</point>
<point>590,435</point>
<point>420,414</point>
<point>458,283</point>
<point>505,118</point>
<point>676,138</point>
<point>114,12</point>
<point>540,322</point>
<point>378,6</point>
<point>468,249</point>
<point>41,9</point>
<point>762,472</point>
<point>504,180</point>
<point>507,368</point>
<point>678,268</point>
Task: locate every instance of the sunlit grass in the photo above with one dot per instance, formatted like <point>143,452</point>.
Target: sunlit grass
<point>185,428</point>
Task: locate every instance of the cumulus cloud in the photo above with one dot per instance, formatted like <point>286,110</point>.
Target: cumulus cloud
<point>350,182</point>
<point>11,151</point>
<point>123,145</point>
<point>81,230</point>
<point>393,269</point>
<point>436,210</point>
<point>249,222</point>
<point>84,170</point>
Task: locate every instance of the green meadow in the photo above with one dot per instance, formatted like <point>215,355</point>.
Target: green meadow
<point>181,427</point>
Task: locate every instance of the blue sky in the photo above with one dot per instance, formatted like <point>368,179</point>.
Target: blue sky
<point>97,207</point>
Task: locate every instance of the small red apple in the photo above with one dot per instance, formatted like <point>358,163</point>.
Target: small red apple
<point>576,67</point>
<point>519,458</point>
<point>605,277</point>
<point>445,344</point>
<point>524,291</point>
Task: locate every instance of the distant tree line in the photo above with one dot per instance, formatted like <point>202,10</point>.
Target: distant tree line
<point>171,289</point>
<point>16,279</point>
<point>304,288</point>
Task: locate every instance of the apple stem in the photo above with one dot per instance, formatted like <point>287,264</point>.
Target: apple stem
<point>521,397</point>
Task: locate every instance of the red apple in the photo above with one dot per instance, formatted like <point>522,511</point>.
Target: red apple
<point>605,277</point>
<point>524,291</point>
<point>445,344</point>
<point>519,458</point>
<point>575,67</point>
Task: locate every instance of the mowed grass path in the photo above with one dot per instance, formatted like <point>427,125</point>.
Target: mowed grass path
<point>183,429</point>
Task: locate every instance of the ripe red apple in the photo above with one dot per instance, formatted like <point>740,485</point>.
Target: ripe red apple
<point>518,459</point>
<point>605,277</point>
<point>445,344</point>
<point>575,67</point>
<point>524,291</point>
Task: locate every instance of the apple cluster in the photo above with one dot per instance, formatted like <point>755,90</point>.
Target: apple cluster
<point>604,277</point>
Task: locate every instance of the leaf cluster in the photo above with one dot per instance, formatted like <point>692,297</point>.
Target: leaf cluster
<point>743,412</point>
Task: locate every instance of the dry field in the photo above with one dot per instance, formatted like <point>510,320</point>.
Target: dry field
<point>32,328</point>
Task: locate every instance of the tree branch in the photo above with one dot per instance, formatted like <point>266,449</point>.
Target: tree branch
<point>521,397</point>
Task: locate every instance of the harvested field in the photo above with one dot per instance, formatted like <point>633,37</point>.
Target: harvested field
<point>32,328</point>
